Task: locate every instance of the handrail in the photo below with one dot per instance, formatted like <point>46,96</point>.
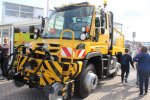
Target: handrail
<point>61,37</point>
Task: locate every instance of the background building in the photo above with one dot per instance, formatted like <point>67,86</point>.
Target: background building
<point>20,10</point>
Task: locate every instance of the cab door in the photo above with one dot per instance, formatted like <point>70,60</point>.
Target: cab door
<point>102,32</point>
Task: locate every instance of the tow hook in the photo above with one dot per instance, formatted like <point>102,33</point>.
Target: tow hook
<point>68,90</point>
<point>59,91</point>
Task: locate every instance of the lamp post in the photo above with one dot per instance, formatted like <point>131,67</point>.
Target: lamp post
<point>46,8</point>
<point>133,36</point>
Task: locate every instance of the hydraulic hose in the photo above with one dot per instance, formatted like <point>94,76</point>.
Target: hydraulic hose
<point>32,75</point>
<point>7,59</point>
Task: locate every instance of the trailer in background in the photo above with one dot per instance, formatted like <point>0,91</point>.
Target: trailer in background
<point>19,32</point>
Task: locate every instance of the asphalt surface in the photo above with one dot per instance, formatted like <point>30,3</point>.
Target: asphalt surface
<point>108,89</point>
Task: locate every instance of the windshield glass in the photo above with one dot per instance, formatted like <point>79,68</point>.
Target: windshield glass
<point>73,18</point>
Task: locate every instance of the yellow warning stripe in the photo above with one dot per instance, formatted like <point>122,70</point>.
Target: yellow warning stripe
<point>52,71</point>
<point>23,61</point>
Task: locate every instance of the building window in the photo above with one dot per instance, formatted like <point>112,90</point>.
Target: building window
<point>12,13</point>
<point>26,12</point>
<point>11,6</point>
<point>11,10</point>
<point>26,15</point>
<point>18,10</point>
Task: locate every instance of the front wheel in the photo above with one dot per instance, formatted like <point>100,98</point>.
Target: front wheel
<point>88,81</point>
<point>18,83</point>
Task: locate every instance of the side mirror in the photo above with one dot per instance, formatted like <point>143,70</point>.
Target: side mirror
<point>97,31</point>
<point>102,30</point>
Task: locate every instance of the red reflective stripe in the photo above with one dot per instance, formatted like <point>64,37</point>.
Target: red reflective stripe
<point>79,52</point>
<point>66,51</point>
<point>83,54</point>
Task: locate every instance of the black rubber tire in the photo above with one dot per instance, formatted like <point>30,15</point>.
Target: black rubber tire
<point>18,83</point>
<point>80,90</point>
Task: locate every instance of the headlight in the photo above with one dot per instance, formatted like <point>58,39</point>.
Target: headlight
<point>83,36</point>
<point>35,36</point>
<point>35,30</point>
<point>83,29</point>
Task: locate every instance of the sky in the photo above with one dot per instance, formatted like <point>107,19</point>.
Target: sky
<point>133,14</point>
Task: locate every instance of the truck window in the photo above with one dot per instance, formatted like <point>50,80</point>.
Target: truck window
<point>59,20</point>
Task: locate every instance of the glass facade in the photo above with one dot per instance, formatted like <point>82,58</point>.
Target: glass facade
<point>18,10</point>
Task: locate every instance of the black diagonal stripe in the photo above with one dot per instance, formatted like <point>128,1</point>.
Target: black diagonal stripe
<point>21,60</point>
<point>45,80</point>
<point>60,64</point>
<point>77,70</point>
<point>25,62</point>
<point>55,70</point>
<point>44,65</point>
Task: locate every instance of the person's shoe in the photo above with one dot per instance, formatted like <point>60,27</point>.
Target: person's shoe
<point>126,81</point>
<point>2,78</point>
<point>137,83</point>
<point>140,95</point>
<point>145,93</point>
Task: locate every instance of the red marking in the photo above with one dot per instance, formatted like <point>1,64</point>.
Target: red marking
<point>83,54</point>
<point>66,51</point>
<point>79,51</point>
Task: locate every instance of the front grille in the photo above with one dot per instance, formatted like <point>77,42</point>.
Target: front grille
<point>40,44</point>
<point>54,50</point>
<point>55,45</point>
<point>38,56</point>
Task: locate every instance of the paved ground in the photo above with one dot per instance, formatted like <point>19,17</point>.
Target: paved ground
<point>108,89</point>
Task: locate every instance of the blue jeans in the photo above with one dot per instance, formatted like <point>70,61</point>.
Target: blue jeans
<point>144,81</point>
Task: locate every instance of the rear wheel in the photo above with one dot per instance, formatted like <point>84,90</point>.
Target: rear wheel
<point>88,81</point>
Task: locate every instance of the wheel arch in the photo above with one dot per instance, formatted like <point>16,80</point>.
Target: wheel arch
<point>96,59</point>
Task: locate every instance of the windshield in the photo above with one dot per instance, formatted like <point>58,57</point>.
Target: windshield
<point>73,18</point>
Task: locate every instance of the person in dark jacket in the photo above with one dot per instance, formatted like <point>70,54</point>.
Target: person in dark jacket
<point>5,50</point>
<point>143,60</point>
<point>126,60</point>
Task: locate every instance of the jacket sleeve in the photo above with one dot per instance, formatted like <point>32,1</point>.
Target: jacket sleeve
<point>136,58</point>
<point>131,62</point>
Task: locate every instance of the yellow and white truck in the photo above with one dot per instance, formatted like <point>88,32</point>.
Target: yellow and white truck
<point>78,46</point>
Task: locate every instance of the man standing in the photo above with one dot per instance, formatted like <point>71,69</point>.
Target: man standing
<point>126,60</point>
<point>5,49</point>
<point>143,60</point>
